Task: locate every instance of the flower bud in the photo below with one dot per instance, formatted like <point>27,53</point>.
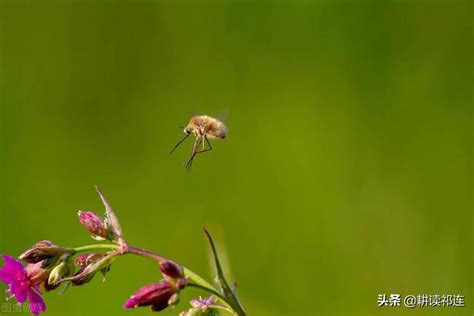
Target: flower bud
<point>87,272</point>
<point>81,278</point>
<point>95,225</point>
<point>43,250</point>
<point>88,258</point>
<point>49,287</point>
<point>157,295</point>
<point>85,260</point>
<point>171,270</point>
<point>61,271</point>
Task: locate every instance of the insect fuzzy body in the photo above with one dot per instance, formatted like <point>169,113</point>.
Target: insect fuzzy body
<point>203,128</point>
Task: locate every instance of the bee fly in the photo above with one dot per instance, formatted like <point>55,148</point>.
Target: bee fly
<point>203,128</point>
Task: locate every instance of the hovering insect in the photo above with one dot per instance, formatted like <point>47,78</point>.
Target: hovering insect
<point>203,128</point>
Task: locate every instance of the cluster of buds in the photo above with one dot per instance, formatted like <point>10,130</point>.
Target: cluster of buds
<point>50,261</point>
<point>162,294</point>
<point>50,265</point>
<point>89,264</point>
<point>45,263</point>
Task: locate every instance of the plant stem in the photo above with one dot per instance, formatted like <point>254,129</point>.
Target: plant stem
<point>95,247</point>
<point>194,279</point>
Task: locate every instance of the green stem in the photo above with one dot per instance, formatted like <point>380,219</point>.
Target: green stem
<point>95,247</point>
<point>194,279</point>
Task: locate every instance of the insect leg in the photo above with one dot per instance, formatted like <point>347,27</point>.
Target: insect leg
<point>196,144</point>
<point>203,147</point>
<point>208,143</point>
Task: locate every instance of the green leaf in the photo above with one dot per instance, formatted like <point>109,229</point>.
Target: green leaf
<point>227,291</point>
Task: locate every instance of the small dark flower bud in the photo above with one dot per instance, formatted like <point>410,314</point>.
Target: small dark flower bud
<point>87,272</point>
<point>84,260</point>
<point>81,260</point>
<point>157,295</point>
<point>43,250</point>
<point>171,270</point>
<point>95,225</point>
<point>49,287</point>
<point>88,258</point>
<point>81,278</point>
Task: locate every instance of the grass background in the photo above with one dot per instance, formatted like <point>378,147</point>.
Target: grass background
<point>347,172</point>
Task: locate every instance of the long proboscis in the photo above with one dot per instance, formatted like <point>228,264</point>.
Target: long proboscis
<point>179,143</point>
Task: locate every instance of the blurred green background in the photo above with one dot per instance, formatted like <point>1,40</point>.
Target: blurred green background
<point>347,172</point>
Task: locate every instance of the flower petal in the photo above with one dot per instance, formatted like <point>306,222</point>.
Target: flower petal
<point>6,276</point>
<point>20,290</point>
<point>13,263</point>
<point>131,303</point>
<point>37,304</point>
<point>12,270</point>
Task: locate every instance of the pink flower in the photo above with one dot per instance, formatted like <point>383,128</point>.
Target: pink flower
<point>22,285</point>
<point>202,306</point>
